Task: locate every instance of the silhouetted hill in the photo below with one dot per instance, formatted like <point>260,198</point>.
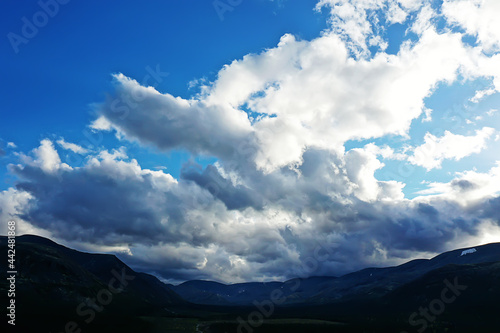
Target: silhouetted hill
<point>54,281</point>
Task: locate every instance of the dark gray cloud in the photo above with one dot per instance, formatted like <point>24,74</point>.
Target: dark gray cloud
<point>109,201</point>
<point>257,225</point>
<point>168,122</point>
<point>233,196</point>
<point>491,210</point>
<point>463,185</point>
<point>92,207</point>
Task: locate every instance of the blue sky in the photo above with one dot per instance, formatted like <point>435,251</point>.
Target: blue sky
<point>361,108</point>
<point>67,66</point>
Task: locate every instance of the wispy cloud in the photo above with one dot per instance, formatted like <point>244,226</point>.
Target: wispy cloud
<point>72,146</point>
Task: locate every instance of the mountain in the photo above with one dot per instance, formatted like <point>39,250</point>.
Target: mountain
<point>56,281</point>
<point>369,282</point>
<point>213,293</point>
<point>62,290</point>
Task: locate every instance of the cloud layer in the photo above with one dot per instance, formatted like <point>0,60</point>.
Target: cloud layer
<point>284,188</point>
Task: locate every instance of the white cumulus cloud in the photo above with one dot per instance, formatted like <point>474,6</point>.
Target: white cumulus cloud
<point>435,150</point>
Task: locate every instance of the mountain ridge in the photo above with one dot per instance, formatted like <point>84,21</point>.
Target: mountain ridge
<point>382,279</point>
<point>64,280</point>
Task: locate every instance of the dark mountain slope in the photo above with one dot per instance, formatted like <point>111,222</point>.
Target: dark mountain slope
<point>468,294</point>
<point>56,282</point>
<point>370,282</point>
